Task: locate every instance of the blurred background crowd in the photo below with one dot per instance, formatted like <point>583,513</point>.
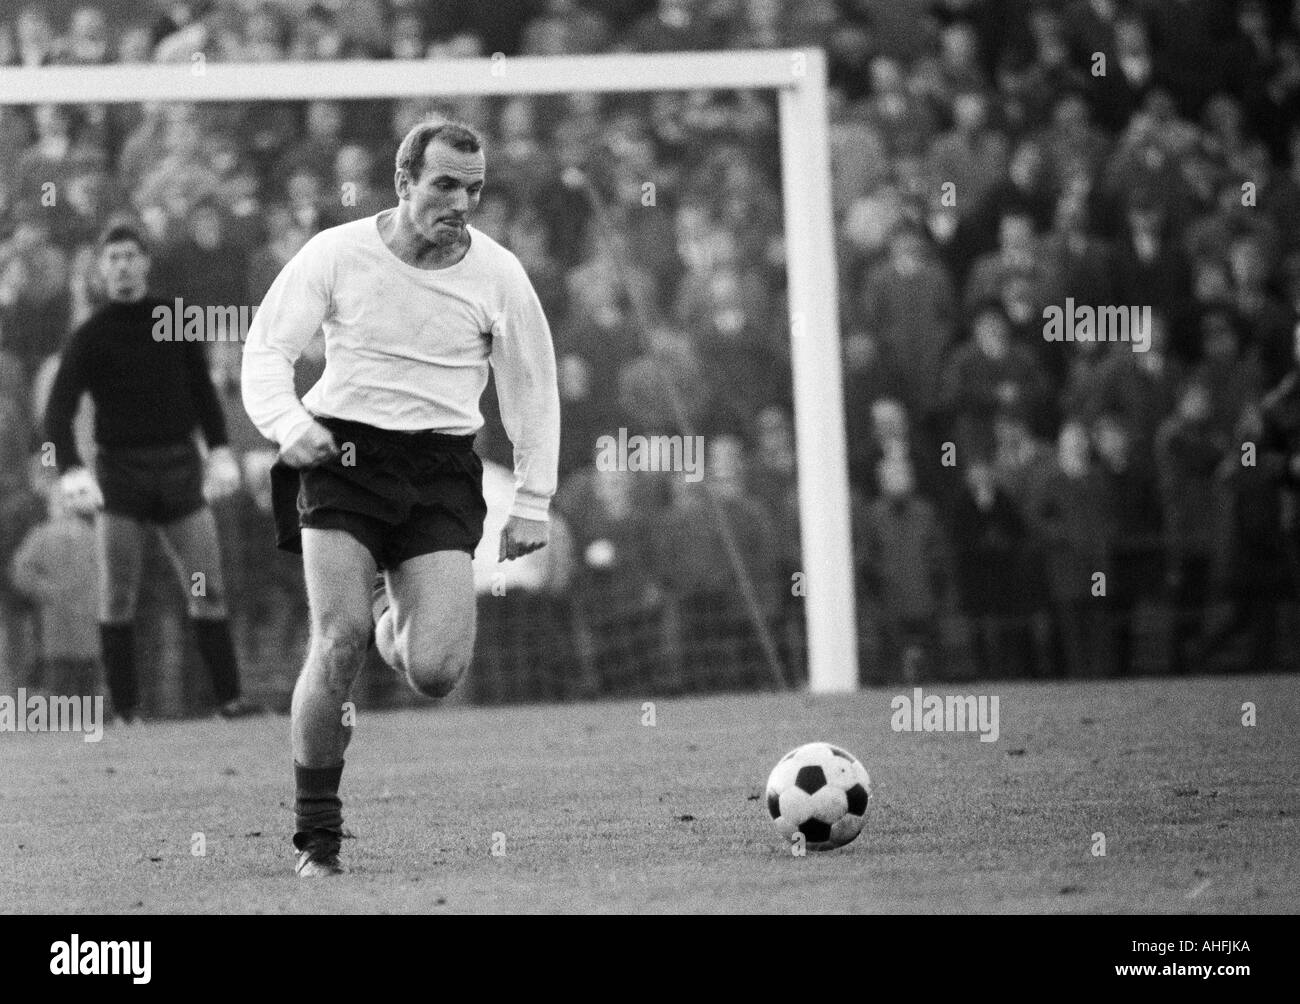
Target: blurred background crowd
<point>1021,507</point>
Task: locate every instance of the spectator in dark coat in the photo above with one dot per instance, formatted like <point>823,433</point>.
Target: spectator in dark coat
<point>1188,450</point>
<point>270,604</point>
<point>1141,388</point>
<point>987,373</point>
<point>1135,556</point>
<point>22,508</point>
<point>716,642</point>
<point>990,534</point>
<point>910,306</point>
<point>1150,267</point>
<point>907,570</point>
<point>35,302</point>
<point>1065,508</point>
<point>1232,378</point>
<point>204,269</point>
<point>618,607</point>
<point>1260,574</point>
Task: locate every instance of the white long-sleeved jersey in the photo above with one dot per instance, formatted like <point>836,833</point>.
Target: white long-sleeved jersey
<point>408,348</point>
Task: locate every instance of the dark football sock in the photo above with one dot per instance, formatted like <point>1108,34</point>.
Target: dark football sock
<point>217,650</point>
<point>317,805</point>
<point>117,646</point>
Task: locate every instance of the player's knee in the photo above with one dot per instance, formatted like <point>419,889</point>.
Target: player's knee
<point>339,650</point>
<point>437,674</point>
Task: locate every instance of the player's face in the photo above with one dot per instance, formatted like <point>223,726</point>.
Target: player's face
<point>125,268</point>
<point>447,192</point>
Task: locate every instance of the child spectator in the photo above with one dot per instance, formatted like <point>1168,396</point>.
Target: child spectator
<point>55,568</point>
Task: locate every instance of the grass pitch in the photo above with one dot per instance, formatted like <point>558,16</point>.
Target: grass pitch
<point>596,812</point>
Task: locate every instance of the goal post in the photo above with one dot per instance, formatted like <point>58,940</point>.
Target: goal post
<point>799,78</point>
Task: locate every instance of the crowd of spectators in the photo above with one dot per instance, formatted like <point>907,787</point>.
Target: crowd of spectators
<point>1021,506</point>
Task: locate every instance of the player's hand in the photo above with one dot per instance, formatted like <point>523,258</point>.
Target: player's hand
<point>314,446</point>
<point>80,491</point>
<point>222,477</point>
<point>522,536</point>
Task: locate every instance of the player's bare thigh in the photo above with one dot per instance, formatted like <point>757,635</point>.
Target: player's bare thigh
<point>339,572</point>
<point>432,603</point>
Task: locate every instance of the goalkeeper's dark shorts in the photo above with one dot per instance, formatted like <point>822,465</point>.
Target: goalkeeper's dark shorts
<point>151,484</point>
<point>401,494</point>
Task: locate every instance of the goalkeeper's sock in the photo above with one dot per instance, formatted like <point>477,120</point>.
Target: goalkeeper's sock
<point>217,650</point>
<point>117,647</point>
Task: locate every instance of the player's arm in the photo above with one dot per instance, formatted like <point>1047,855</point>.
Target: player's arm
<point>222,477</point>
<point>80,490</point>
<point>523,359</point>
<point>70,382</point>
<point>290,314</point>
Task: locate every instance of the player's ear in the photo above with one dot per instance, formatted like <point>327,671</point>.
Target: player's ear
<point>401,183</point>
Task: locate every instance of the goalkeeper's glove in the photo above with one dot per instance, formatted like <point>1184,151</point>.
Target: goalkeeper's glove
<point>222,478</point>
<point>80,491</point>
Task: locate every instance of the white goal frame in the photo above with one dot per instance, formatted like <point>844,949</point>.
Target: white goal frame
<point>799,78</point>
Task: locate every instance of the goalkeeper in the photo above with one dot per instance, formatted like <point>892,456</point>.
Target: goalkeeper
<point>150,396</point>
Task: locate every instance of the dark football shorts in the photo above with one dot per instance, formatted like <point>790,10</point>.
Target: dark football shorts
<point>152,484</point>
<point>401,494</point>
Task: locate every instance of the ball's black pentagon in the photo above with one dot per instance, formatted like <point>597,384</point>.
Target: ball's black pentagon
<point>815,831</point>
<point>857,796</point>
<point>810,778</point>
<point>774,804</point>
<point>836,751</point>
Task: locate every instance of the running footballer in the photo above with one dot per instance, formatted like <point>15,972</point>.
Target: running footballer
<point>377,472</point>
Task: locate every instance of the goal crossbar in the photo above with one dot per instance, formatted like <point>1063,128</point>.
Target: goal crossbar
<point>202,80</point>
<point>799,78</point>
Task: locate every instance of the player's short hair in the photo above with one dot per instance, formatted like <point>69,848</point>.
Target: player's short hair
<point>122,230</point>
<point>457,135</point>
